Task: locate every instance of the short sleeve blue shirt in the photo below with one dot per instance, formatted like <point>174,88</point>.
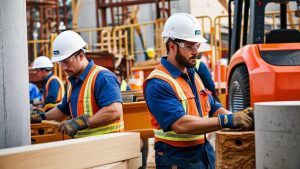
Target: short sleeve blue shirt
<point>166,108</point>
<point>106,91</point>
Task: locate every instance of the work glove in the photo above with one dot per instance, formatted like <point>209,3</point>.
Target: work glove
<point>37,118</point>
<point>70,127</point>
<point>242,120</point>
<point>250,112</point>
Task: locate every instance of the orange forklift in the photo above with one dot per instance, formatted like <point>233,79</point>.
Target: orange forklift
<point>264,65</point>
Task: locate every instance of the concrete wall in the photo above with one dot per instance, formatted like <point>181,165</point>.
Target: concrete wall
<point>14,81</point>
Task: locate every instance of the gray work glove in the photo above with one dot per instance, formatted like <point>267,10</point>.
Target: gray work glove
<point>70,127</point>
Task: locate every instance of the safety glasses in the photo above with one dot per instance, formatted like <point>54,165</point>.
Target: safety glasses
<point>70,59</point>
<point>190,47</point>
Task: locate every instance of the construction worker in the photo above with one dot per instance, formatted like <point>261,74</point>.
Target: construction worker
<point>182,111</point>
<point>202,70</point>
<point>93,97</point>
<point>53,88</point>
<point>123,84</point>
<point>35,95</point>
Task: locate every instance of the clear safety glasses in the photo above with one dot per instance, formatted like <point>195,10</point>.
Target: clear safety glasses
<point>70,59</point>
<point>190,47</point>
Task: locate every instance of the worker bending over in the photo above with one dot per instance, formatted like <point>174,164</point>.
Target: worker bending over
<point>181,108</point>
<point>53,88</point>
<point>93,97</point>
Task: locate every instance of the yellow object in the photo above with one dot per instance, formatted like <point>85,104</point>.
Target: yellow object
<point>123,85</point>
<point>150,53</point>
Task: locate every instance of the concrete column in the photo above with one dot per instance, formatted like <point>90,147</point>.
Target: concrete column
<point>277,135</point>
<point>14,94</point>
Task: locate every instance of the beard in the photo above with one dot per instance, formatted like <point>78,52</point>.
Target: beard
<point>182,61</point>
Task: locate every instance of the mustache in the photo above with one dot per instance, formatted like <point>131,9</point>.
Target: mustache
<point>194,57</point>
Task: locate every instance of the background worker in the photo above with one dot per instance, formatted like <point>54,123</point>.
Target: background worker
<point>182,110</point>
<point>35,95</point>
<point>202,70</point>
<point>123,84</point>
<point>93,97</point>
<point>53,88</point>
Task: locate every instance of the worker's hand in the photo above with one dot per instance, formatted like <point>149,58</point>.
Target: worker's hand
<point>37,118</point>
<point>250,112</point>
<point>70,127</point>
<point>242,120</point>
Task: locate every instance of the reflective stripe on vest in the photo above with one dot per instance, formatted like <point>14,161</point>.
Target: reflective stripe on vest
<point>60,93</point>
<point>198,62</point>
<point>114,127</point>
<point>171,135</point>
<point>180,92</point>
<point>123,85</point>
<point>88,106</point>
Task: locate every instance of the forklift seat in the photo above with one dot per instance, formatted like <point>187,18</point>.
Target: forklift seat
<point>283,36</point>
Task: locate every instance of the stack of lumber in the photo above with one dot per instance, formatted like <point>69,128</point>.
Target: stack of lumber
<point>116,150</point>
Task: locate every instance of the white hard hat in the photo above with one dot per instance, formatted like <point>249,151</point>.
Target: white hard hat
<point>65,44</point>
<point>42,62</point>
<point>183,26</point>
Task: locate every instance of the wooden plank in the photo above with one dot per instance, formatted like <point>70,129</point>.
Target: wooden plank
<point>76,153</point>
<point>117,165</point>
<point>133,163</point>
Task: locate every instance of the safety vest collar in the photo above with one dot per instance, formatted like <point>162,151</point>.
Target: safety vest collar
<point>174,72</point>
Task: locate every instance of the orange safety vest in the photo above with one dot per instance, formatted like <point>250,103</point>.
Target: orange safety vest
<point>60,93</point>
<point>86,104</point>
<point>186,97</point>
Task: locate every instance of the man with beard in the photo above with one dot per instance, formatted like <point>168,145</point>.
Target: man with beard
<point>93,97</point>
<point>182,111</point>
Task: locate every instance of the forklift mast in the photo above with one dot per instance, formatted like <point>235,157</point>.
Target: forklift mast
<point>256,10</point>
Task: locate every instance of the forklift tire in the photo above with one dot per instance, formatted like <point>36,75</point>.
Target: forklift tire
<point>239,90</point>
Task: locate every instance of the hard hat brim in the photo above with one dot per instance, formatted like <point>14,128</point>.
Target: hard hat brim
<point>41,67</point>
<point>199,39</point>
<point>60,58</point>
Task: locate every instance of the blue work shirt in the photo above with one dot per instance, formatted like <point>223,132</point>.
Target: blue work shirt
<point>106,91</point>
<point>34,93</point>
<point>53,89</point>
<point>166,108</point>
<point>206,78</point>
